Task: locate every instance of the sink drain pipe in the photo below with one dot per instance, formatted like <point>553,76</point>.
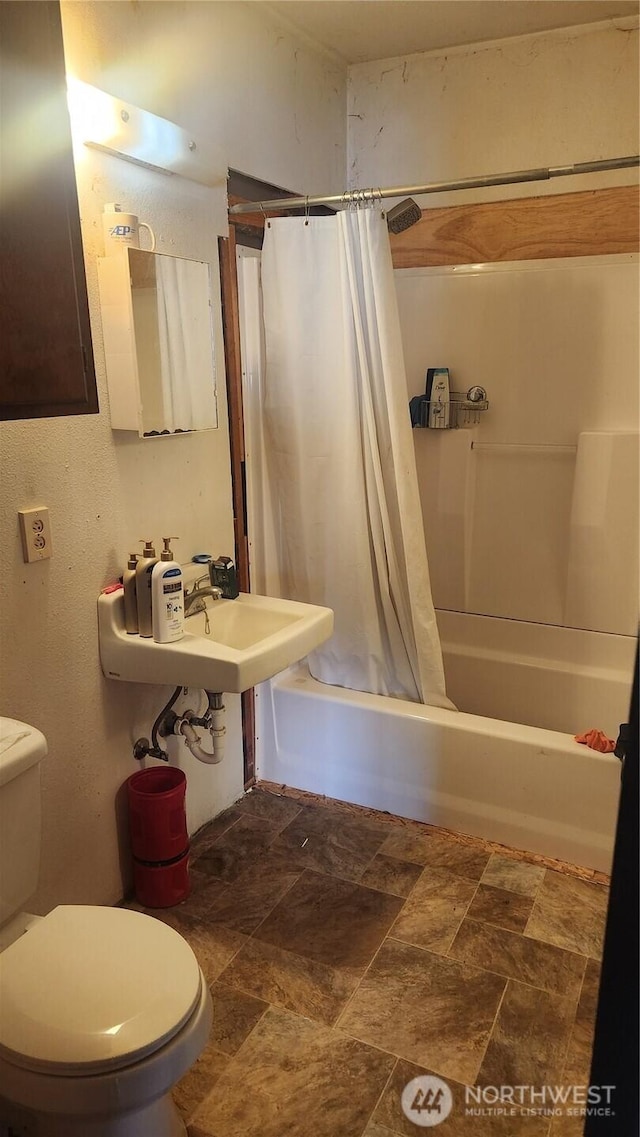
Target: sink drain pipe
<point>214,721</point>
<point>168,723</point>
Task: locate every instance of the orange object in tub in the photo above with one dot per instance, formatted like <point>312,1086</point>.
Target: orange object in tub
<point>596,740</point>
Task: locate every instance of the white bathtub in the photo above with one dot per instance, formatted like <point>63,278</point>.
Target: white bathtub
<point>524,786</point>
<point>562,679</point>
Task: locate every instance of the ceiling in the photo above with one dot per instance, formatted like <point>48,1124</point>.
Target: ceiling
<point>362,30</point>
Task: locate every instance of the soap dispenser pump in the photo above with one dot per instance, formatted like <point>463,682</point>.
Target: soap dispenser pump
<point>144,568</point>
<point>167,597</point>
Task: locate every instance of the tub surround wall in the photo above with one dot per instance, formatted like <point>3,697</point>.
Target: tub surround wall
<point>533,514</point>
<point>198,65</point>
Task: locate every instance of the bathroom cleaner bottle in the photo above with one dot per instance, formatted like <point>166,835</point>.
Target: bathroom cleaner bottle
<point>130,595</point>
<point>167,597</point>
<point>144,568</point>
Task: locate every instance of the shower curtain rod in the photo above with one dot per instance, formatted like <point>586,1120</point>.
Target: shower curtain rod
<point>366,197</point>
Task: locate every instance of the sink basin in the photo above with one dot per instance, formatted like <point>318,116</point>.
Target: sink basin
<point>240,625</point>
<point>230,646</point>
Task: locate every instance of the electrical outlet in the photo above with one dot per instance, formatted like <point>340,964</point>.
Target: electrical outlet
<point>35,530</point>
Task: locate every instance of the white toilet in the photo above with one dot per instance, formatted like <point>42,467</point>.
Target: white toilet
<point>102,1010</point>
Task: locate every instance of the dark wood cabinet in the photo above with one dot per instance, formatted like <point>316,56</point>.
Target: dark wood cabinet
<point>46,357</point>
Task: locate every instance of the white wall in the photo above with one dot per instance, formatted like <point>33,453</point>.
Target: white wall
<point>535,101</point>
<point>275,110</point>
<point>226,72</point>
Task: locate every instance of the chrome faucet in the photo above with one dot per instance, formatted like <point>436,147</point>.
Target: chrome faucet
<point>194,600</point>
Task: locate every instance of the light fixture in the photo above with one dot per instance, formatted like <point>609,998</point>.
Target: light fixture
<point>105,123</point>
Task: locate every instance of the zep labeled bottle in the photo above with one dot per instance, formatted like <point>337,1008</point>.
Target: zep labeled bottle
<point>167,597</point>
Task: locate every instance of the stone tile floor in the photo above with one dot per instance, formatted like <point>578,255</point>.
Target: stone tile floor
<point>349,952</point>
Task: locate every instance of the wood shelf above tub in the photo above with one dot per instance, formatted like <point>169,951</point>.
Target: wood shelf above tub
<point>590,223</point>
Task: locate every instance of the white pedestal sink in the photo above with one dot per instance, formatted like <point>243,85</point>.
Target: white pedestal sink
<point>230,646</point>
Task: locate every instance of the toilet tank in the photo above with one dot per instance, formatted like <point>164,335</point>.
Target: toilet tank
<point>22,748</point>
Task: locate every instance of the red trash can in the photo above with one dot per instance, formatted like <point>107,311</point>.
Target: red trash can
<point>159,838</point>
<point>161,886</point>
<point>157,817</point>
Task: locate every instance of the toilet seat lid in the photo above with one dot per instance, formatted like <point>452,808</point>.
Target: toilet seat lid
<point>94,988</point>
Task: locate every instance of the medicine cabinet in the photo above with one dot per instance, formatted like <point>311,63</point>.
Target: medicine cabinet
<point>158,340</point>
<point>46,353</point>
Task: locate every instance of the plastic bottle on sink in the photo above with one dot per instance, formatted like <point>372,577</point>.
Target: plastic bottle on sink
<point>167,597</point>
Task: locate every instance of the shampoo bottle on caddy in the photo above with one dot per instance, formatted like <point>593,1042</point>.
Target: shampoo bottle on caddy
<point>167,597</point>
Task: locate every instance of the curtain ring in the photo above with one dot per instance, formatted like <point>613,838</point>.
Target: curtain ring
<point>267,222</point>
<point>306,210</point>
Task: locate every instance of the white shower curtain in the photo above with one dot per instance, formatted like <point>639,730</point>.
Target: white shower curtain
<point>340,453</point>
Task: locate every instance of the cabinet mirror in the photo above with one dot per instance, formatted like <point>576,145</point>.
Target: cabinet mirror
<point>159,345</point>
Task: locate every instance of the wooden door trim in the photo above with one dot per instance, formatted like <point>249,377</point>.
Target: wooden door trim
<point>233,367</point>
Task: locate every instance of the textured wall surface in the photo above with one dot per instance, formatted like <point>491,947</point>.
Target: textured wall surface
<point>226,72</point>
<point>264,103</point>
<point>535,101</point>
